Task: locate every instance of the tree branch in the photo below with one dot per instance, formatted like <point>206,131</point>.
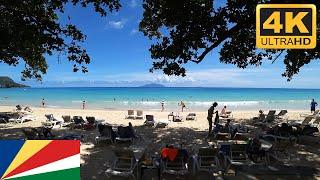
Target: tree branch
<point>217,43</point>
<point>277,56</point>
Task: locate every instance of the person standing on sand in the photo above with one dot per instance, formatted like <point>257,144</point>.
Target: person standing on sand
<point>43,103</point>
<point>183,105</point>
<point>83,104</point>
<point>210,115</point>
<point>313,106</point>
<point>162,106</point>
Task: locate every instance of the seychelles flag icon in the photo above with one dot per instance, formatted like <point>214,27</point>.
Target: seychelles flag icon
<point>40,159</point>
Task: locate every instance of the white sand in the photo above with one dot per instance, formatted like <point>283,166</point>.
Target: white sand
<point>117,117</point>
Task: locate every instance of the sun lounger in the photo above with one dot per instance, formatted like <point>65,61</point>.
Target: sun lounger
<point>240,136</point>
<point>149,120</point>
<point>130,115</point>
<point>177,118</point>
<point>22,119</point>
<point>176,167</point>
<point>274,138</point>
<point>314,113</point>
<point>206,160</point>
<point>306,121</point>
<point>105,134</point>
<point>316,122</point>
<point>66,120</point>
<point>279,149</point>
<point>238,156</point>
<point>139,114</point>
<point>191,117</point>
<point>53,121</point>
<point>90,124</point>
<point>270,117</point>
<point>124,165</point>
<point>30,133</point>
<point>281,115</point>
<point>124,135</point>
<point>222,136</point>
<point>227,115</point>
<point>3,120</point>
<point>78,120</point>
<point>161,123</point>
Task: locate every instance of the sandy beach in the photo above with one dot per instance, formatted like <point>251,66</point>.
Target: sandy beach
<point>191,134</point>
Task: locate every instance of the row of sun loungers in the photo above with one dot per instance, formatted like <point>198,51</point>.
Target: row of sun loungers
<point>16,117</point>
<point>115,134</point>
<point>175,116</point>
<point>132,115</point>
<point>207,159</point>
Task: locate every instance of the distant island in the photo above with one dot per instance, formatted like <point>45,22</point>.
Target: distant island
<point>153,85</point>
<point>6,82</point>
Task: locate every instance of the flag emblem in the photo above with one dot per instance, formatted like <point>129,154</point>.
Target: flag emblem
<point>39,159</point>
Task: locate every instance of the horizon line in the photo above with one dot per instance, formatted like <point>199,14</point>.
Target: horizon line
<point>218,87</point>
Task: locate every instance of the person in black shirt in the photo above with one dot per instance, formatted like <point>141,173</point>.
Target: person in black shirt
<point>210,115</point>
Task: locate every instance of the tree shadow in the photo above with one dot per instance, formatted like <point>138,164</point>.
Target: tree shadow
<point>96,158</point>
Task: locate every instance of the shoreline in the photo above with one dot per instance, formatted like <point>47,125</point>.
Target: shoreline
<point>153,110</point>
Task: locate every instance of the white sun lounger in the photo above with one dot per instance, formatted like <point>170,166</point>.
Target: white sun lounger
<point>22,119</point>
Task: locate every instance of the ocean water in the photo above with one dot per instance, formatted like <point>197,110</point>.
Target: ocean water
<point>150,98</point>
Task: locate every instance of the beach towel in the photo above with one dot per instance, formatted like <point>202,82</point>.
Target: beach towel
<point>170,153</point>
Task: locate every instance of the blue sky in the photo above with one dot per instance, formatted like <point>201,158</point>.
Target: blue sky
<point>120,57</point>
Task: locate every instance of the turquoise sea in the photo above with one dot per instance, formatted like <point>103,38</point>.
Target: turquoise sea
<point>150,98</point>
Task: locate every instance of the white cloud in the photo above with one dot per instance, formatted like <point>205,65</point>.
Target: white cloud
<point>133,31</point>
<point>117,24</point>
<point>133,3</point>
<point>216,77</point>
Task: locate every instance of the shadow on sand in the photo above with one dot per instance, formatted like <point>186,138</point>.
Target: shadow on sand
<point>97,158</point>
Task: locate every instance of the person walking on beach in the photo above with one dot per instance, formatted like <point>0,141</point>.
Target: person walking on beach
<point>83,104</point>
<point>43,103</point>
<point>313,106</point>
<point>210,115</point>
<point>162,106</point>
<point>183,105</point>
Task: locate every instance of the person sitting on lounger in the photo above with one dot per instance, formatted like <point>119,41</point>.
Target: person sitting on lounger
<point>130,131</point>
<point>227,127</point>
<point>254,150</point>
<point>224,112</point>
<point>261,116</point>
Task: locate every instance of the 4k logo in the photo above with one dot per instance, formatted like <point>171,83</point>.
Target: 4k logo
<point>286,26</point>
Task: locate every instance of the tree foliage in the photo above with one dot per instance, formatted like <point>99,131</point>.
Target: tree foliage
<point>30,30</point>
<point>187,30</point>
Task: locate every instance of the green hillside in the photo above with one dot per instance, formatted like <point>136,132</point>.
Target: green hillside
<point>6,82</point>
